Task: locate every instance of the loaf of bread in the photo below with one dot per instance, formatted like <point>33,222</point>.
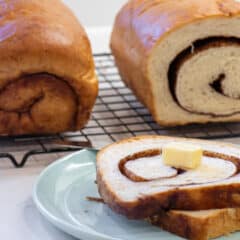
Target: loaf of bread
<point>133,180</point>
<point>47,78</point>
<point>181,58</point>
<point>199,225</point>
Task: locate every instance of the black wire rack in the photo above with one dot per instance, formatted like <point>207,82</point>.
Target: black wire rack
<point>116,115</point>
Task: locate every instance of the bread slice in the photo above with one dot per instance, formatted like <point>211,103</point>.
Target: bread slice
<point>128,192</point>
<point>199,225</point>
<point>181,58</point>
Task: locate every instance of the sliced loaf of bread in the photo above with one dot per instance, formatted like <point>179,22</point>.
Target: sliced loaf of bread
<point>181,58</point>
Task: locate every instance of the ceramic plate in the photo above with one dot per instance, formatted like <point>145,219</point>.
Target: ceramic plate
<point>60,195</point>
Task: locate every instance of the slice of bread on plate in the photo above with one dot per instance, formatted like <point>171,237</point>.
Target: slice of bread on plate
<point>199,225</point>
<point>133,180</point>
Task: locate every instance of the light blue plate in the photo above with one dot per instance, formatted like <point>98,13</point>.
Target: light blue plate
<point>60,195</point>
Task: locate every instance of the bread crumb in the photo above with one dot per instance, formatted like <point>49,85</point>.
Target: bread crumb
<point>94,199</point>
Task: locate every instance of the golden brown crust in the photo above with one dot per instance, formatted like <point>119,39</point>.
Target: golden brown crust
<point>141,25</point>
<point>203,226</point>
<point>181,225</point>
<point>199,198</point>
<point>36,38</point>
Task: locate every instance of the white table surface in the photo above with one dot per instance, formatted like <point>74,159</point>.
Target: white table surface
<point>19,218</point>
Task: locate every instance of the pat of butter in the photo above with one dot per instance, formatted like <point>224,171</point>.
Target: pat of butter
<point>182,155</point>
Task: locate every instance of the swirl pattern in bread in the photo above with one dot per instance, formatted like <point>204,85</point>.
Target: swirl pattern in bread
<point>146,186</point>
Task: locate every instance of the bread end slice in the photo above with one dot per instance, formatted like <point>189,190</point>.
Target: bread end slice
<point>199,225</point>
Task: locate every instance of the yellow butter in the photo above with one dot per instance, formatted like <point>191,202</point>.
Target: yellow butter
<point>182,155</point>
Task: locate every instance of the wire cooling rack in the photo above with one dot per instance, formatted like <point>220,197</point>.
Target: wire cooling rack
<point>116,115</point>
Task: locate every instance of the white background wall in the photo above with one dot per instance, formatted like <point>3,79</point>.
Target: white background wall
<point>94,13</point>
<point>97,16</point>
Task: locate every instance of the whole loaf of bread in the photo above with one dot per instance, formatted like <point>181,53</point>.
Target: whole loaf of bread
<point>47,78</point>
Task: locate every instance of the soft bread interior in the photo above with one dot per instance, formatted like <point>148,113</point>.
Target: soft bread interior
<point>152,169</point>
<point>197,99</point>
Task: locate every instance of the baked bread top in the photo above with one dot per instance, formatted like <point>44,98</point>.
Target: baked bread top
<point>144,23</point>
